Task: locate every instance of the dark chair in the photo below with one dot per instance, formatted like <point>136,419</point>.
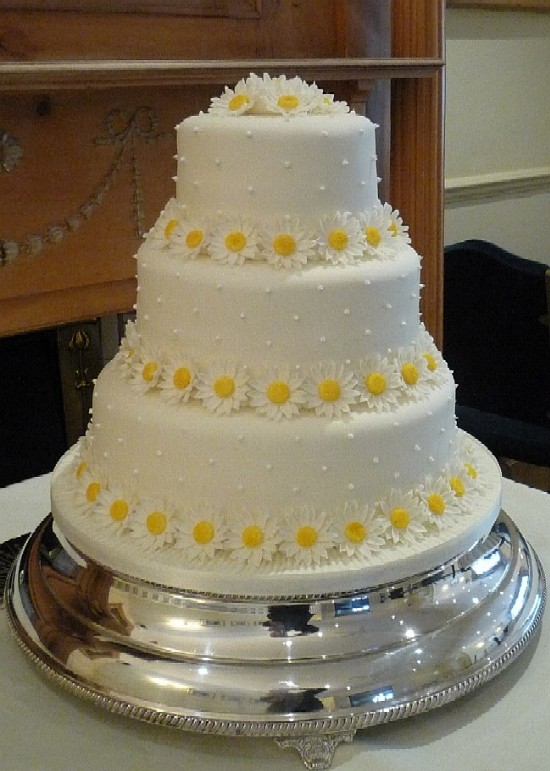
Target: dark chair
<point>497,341</point>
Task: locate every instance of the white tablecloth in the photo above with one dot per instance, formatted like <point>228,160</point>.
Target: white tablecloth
<point>501,726</point>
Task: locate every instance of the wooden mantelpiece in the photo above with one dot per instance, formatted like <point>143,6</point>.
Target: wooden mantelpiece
<point>95,126</point>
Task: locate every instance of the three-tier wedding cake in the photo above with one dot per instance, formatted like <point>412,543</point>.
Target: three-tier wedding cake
<point>277,420</point>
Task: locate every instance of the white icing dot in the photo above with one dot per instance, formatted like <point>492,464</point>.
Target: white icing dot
<point>250,189</point>
<point>120,440</point>
<point>296,317</point>
<point>363,183</point>
<point>367,282</point>
<point>351,486</point>
<point>240,437</point>
<point>320,287</point>
<point>287,164</point>
<point>322,188</point>
<point>249,134</point>
<point>195,311</point>
<point>240,488</point>
<point>295,490</point>
<point>396,423</point>
<point>322,339</point>
<point>269,343</point>
<point>139,419</point>
<point>135,472</point>
<point>346,311</point>
<point>414,296</point>
<point>242,315</point>
<point>146,317</point>
<point>431,459</point>
<point>268,290</point>
<point>159,300</point>
<point>345,162</point>
<point>269,466</point>
<point>325,133</point>
<point>182,158</point>
<point>211,461</point>
<point>375,460</point>
<point>217,161</point>
<point>178,274</point>
<point>218,338</point>
<point>442,430</point>
<point>417,448</point>
<point>175,332</point>
<point>105,454</point>
<point>368,332</point>
<point>389,306</point>
<point>196,183</point>
<point>219,287</point>
<point>403,323</point>
<point>181,480</point>
<point>351,436</point>
<point>396,474</point>
<point>134,306</point>
<point>324,468</point>
<point>158,453</point>
<point>196,129</point>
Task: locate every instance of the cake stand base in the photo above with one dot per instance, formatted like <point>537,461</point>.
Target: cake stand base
<point>308,671</point>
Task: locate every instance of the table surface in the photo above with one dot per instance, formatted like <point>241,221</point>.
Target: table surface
<point>502,725</point>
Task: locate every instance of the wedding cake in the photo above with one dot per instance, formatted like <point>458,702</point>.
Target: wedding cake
<point>277,421</point>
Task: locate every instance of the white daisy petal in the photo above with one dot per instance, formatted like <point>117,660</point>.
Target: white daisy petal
<point>359,531</point>
<point>330,390</point>
<point>153,524</point>
<point>341,241</point>
<point>200,534</point>
<point>223,388</point>
<point>233,241</point>
<point>379,383</point>
<point>277,394</point>
<point>253,538</point>
<point>307,537</point>
<point>177,380</point>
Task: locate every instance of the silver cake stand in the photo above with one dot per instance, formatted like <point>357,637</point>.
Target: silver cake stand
<point>308,671</point>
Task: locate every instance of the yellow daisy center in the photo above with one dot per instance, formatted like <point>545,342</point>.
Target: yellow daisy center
<point>430,359</point>
<point>204,532</point>
<point>119,510</point>
<point>238,101</point>
<point>400,518</point>
<point>278,392</point>
<point>470,470</point>
<point>392,227</point>
<point>235,241</point>
<point>375,383</point>
<point>149,370</point>
<point>224,386</point>
<point>373,236</point>
<point>436,503</point>
<point>306,536</point>
<point>288,101</point>
<point>329,390</point>
<point>284,244</point>
<point>338,239</point>
<point>252,536</point>
<point>457,486</point>
<point>194,238</point>
<point>156,522</point>
<point>80,469</point>
<point>181,377</point>
<point>409,373</point>
<point>169,228</point>
<point>92,491</point>
<point>355,532</point>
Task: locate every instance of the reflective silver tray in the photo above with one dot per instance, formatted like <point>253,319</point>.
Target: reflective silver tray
<point>308,671</point>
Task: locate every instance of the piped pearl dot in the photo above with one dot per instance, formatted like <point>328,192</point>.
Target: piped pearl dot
<point>146,317</point>
<point>345,162</point>
<point>268,290</point>
<point>287,164</point>
<point>324,468</point>
<point>351,436</point>
<point>322,339</point>
<point>389,306</point>
<point>269,466</point>
<point>396,474</point>
<point>218,162</point>
<point>159,300</point>
<point>240,437</point>
<point>375,460</point>
<point>295,490</point>
<point>351,486</point>
<point>135,472</point>
<point>296,317</point>
<point>211,461</point>
<point>249,134</point>
<point>346,311</point>
<point>368,332</point>
<point>250,189</point>
<point>196,129</point>
<point>431,459</point>
<point>105,454</point>
<point>403,323</point>
<point>269,343</point>
<point>417,448</point>
<point>242,315</point>
<point>320,287</point>
<point>240,488</point>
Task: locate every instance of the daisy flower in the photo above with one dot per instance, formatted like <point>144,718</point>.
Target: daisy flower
<point>200,534</point>
<point>375,230</point>
<point>166,225</point>
<point>287,245</point>
<point>88,487</point>
<point>234,101</point>
<point>403,515</point>
<point>234,241</point>
<point>130,346</point>
<point>223,388</point>
<point>145,372</point>
<point>426,348</point>
<point>462,478</point>
<point>439,501</point>
<point>306,537</point>
<point>341,241</point>
<point>413,372</point>
<point>153,524</point>
<point>177,380</point>
<point>113,509</point>
<point>330,390</point>
<point>380,383</point>
<point>253,539</point>
<point>277,394</point>
<point>397,228</point>
<point>329,106</point>
<point>467,459</point>
<point>189,240</point>
<point>290,96</point>
<point>359,531</point>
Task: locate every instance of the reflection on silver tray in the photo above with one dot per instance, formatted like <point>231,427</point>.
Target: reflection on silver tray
<point>308,672</point>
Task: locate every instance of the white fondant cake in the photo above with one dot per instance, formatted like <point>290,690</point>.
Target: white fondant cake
<point>277,420</point>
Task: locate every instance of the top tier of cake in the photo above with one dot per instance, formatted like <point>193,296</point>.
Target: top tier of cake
<point>311,165</point>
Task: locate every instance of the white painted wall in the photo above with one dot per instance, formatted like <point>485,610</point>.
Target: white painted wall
<point>497,132</point>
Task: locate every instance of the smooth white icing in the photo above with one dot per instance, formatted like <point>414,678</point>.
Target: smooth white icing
<point>259,315</point>
<point>265,166</point>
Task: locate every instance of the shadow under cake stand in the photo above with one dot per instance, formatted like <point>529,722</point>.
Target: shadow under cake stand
<point>307,670</point>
